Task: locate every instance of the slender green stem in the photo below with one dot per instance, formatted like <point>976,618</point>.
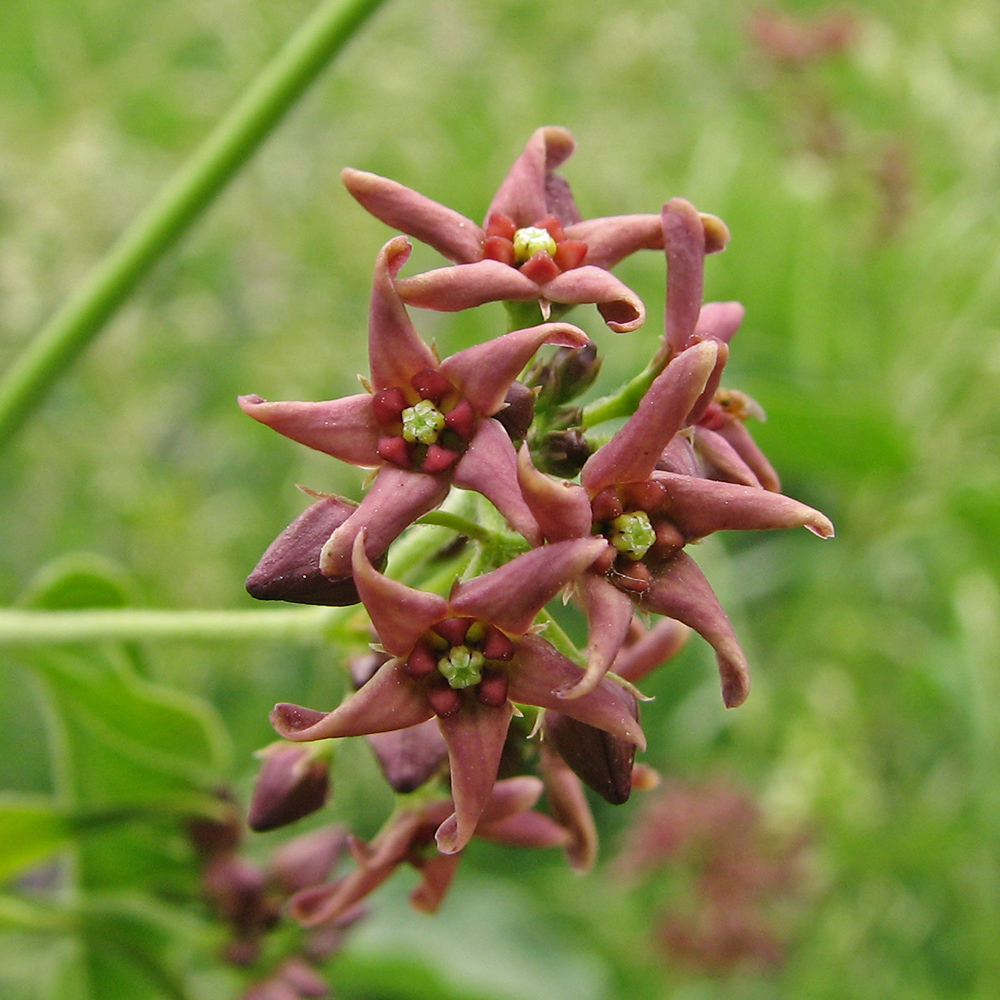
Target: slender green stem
<point>42,628</point>
<point>457,523</point>
<point>624,402</point>
<point>176,206</point>
<point>556,634</point>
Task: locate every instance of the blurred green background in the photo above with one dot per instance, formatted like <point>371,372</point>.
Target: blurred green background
<point>861,187</point>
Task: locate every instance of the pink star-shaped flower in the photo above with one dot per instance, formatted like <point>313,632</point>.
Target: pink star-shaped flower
<point>464,660</point>
<point>425,424</point>
<point>533,244</point>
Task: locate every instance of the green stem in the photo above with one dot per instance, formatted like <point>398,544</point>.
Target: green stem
<point>42,628</point>
<point>556,634</point>
<point>624,402</point>
<point>176,206</point>
<point>457,523</point>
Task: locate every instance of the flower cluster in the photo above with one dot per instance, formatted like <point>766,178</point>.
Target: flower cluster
<point>542,509</point>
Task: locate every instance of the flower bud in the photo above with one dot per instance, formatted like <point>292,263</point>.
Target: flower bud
<point>564,453</point>
<point>568,373</point>
<point>602,761</point>
<point>519,411</point>
<point>289,569</point>
<point>294,781</point>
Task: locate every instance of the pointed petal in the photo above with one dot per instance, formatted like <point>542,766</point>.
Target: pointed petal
<point>512,796</point>
<point>539,672</point>
<point>522,196</point>
<point>621,308</point>
<point>526,829</point>
<point>684,240</point>
<point>390,700</point>
<point>652,648</point>
<point>681,591</point>
<point>344,428</point>
<point>436,875</point>
<point>511,596</point>
<point>393,502</point>
<point>395,351</point>
<point>485,372</point>
<point>561,508</point>
<point>609,613</point>
<point>736,433</point>
<point>475,738</point>
<point>399,614</point>
<point>700,506</point>
<point>704,401</point>
<point>570,808</point>
<point>722,459</point>
<point>447,231</point>
<point>615,237</point>
<point>489,467</point>
<point>464,286</point>
<point>719,321</point>
<point>631,455</point>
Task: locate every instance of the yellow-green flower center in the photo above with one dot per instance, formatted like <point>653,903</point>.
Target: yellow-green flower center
<point>531,239</point>
<point>462,667</point>
<point>422,422</point>
<point>632,534</point>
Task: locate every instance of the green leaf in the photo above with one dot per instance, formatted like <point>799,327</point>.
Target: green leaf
<point>31,830</point>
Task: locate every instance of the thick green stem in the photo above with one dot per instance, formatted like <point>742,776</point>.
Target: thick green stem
<point>42,628</point>
<point>624,402</point>
<point>177,205</point>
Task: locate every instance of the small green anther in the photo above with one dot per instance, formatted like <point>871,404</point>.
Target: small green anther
<point>462,667</point>
<point>422,422</point>
<point>531,239</point>
<point>632,534</point>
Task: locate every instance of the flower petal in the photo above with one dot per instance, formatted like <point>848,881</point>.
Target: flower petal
<point>393,502</point>
<point>389,701</point>
<point>447,231</point>
<point>684,240</point>
<point>539,672</point>
<point>561,508</point>
<point>485,372</point>
<point>631,455</point>
<point>464,286</point>
<point>522,195</point>
<point>649,649</point>
<point>621,308</point>
<point>700,506</point>
<point>736,433</point>
<point>569,806</point>
<point>512,595</point>
<point>489,467</point>
<point>395,350</point>
<point>719,321</point>
<point>399,614</point>
<point>344,428</point>
<point>614,237</point>
<point>436,875</point>
<point>609,613</point>
<point>722,459</point>
<point>681,591</point>
<point>475,737</point>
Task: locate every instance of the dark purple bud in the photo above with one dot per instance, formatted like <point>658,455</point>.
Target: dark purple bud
<point>234,887</point>
<point>289,569</point>
<point>518,411</point>
<point>294,781</point>
<point>568,373</point>
<point>308,860</point>
<point>564,453</point>
<point>410,757</point>
<point>602,762</point>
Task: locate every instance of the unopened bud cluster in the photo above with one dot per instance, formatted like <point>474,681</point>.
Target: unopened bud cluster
<point>469,699</point>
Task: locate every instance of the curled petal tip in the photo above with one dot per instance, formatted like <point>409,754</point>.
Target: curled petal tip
<point>289,719</point>
<point>735,691</point>
<point>822,526</point>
